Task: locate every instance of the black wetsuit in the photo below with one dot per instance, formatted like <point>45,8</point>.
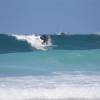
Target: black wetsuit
<point>44,38</point>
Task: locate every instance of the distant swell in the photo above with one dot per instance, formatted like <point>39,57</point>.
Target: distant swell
<point>9,43</point>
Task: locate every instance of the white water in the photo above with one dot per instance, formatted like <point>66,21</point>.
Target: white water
<point>34,41</point>
<point>55,86</point>
<point>54,93</point>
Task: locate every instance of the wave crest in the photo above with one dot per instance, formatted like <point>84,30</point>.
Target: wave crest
<point>34,41</point>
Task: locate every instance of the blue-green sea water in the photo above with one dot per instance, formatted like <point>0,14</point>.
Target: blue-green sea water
<point>68,71</point>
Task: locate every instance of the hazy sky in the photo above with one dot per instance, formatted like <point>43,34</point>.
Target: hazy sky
<point>50,16</point>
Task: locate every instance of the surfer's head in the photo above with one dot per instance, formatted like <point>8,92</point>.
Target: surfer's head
<point>44,38</point>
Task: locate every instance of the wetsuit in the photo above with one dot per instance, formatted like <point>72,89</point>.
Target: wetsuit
<point>44,38</point>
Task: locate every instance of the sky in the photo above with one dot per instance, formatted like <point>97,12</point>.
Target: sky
<point>49,16</point>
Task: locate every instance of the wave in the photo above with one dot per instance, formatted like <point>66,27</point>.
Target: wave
<point>76,42</point>
<point>23,43</point>
<point>35,41</point>
<point>50,87</point>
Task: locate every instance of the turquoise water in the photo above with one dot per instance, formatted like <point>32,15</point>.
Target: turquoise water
<point>68,70</point>
<point>43,62</point>
<point>53,74</point>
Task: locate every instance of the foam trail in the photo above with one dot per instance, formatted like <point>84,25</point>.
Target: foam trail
<point>34,41</point>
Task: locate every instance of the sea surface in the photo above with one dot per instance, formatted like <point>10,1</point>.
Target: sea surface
<point>68,70</point>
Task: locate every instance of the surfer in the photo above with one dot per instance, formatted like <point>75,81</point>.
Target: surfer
<point>44,38</point>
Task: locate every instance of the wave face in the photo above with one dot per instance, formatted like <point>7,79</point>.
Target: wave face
<point>76,42</point>
<point>9,43</point>
<point>20,43</point>
<point>23,43</point>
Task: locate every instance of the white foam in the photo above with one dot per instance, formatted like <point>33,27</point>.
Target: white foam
<point>34,41</point>
<point>55,86</point>
<point>53,93</point>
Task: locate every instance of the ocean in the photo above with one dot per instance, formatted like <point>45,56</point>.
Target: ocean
<point>69,69</point>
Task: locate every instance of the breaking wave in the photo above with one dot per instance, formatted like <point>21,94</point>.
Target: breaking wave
<point>23,43</point>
